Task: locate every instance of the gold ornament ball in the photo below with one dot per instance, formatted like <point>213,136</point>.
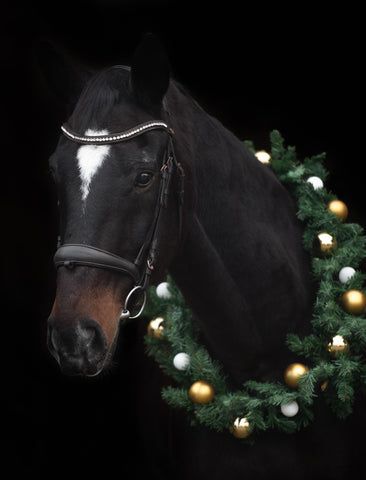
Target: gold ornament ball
<point>354,302</point>
<point>263,157</point>
<point>337,345</point>
<point>325,243</point>
<point>324,385</point>
<point>241,428</point>
<point>339,209</point>
<point>201,392</point>
<point>156,327</point>
<point>293,373</point>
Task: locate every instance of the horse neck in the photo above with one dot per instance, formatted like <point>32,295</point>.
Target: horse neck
<point>242,268</point>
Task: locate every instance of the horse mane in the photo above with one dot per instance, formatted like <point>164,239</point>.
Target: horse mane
<point>101,93</point>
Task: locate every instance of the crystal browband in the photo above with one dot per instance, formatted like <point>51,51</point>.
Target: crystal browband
<point>116,137</point>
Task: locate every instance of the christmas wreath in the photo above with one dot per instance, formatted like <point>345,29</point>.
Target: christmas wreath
<point>334,350</point>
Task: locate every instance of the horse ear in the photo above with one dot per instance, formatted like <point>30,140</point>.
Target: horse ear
<point>62,75</point>
<point>150,71</point>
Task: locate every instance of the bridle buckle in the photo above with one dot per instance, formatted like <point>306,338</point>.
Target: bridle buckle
<point>150,264</point>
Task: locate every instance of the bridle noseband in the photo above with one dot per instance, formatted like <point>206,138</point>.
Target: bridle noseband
<point>140,270</point>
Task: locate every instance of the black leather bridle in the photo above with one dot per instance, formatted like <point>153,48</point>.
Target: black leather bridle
<point>140,270</point>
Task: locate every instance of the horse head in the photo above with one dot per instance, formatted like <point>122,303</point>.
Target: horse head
<point>118,207</point>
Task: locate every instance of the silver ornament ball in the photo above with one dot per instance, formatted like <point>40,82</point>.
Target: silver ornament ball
<point>162,290</point>
<point>181,361</point>
<point>345,274</point>
<point>290,409</point>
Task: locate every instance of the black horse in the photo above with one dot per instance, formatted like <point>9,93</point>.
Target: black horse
<point>238,261</point>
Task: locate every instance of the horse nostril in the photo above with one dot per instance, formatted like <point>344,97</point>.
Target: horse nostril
<point>52,340</point>
<point>92,339</point>
<point>88,334</point>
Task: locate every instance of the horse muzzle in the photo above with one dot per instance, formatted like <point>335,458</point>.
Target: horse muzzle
<point>80,349</point>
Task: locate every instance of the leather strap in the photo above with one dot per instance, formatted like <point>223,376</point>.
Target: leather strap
<point>71,255</point>
<point>116,137</point>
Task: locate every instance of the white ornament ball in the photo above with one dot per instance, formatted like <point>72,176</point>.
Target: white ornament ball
<point>316,182</point>
<point>263,157</point>
<point>346,273</point>
<point>290,409</point>
<point>181,361</point>
<point>162,290</point>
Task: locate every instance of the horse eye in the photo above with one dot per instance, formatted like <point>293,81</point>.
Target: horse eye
<point>143,179</point>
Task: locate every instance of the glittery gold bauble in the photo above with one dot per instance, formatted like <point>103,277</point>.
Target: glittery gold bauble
<point>337,345</point>
<point>241,428</point>
<point>354,302</point>
<point>339,209</point>
<point>325,243</point>
<point>324,385</point>
<point>263,157</point>
<point>201,392</point>
<point>156,327</point>
<point>293,373</point>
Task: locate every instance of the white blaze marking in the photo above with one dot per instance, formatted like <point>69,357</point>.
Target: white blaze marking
<point>90,159</point>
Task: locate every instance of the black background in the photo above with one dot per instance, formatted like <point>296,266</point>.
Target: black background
<point>296,69</point>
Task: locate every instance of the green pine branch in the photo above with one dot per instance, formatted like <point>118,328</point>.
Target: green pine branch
<point>260,402</point>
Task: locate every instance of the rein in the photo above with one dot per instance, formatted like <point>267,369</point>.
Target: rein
<point>73,255</point>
